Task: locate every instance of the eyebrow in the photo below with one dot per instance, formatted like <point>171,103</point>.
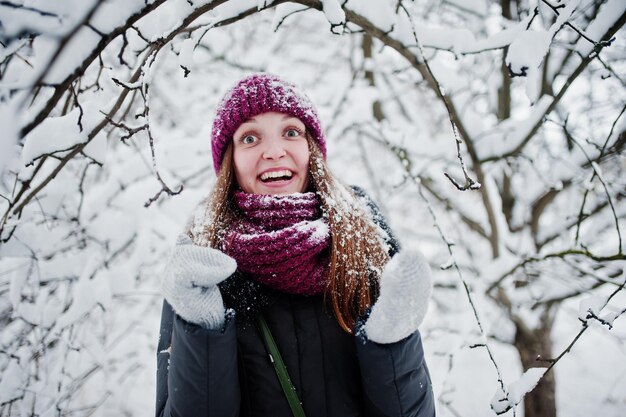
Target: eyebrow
<point>285,117</point>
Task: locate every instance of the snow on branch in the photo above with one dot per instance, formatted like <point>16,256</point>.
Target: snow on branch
<point>69,131</point>
<point>510,135</point>
<point>106,115</point>
<point>503,401</point>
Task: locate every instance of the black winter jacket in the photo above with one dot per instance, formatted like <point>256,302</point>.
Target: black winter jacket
<point>228,372</point>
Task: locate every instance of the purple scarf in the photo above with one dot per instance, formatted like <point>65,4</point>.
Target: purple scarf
<point>280,241</point>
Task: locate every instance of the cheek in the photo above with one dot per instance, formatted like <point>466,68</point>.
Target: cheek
<point>302,155</point>
<point>244,170</point>
<point>302,162</point>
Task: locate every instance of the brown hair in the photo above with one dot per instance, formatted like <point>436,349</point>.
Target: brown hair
<point>219,214</point>
<point>357,251</point>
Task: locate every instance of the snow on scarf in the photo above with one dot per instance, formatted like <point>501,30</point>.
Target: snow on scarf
<point>280,241</point>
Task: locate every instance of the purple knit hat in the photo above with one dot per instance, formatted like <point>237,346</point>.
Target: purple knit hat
<point>256,94</point>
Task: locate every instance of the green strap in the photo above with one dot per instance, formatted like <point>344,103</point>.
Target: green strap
<point>279,367</point>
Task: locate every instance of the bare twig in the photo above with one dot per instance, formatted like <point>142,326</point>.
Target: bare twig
<point>555,9</point>
<point>573,76</point>
<point>597,174</point>
<point>559,254</point>
<point>64,42</point>
<point>28,9</point>
<point>402,157</point>
<point>584,328</point>
<point>64,85</point>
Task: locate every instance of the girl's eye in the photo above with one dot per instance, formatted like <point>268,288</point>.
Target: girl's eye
<point>293,133</point>
<point>248,139</point>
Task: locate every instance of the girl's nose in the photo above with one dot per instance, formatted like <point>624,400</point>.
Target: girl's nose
<point>274,149</point>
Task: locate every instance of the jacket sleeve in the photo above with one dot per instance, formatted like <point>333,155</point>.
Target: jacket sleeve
<point>395,378</point>
<point>197,371</point>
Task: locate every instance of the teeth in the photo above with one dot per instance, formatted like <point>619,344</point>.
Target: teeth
<point>276,174</point>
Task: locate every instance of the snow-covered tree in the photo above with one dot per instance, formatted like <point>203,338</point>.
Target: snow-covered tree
<point>491,134</point>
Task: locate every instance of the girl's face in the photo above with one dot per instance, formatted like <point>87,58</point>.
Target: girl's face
<point>271,154</point>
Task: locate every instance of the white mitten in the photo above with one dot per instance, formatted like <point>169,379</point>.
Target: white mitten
<point>405,289</point>
<point>190,281</point>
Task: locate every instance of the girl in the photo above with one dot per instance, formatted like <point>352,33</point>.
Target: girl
<point>287,294</point>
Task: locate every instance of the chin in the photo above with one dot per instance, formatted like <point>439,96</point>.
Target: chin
<point>279,191</point>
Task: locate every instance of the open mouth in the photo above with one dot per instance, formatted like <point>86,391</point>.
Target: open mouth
<point>275,176</point>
